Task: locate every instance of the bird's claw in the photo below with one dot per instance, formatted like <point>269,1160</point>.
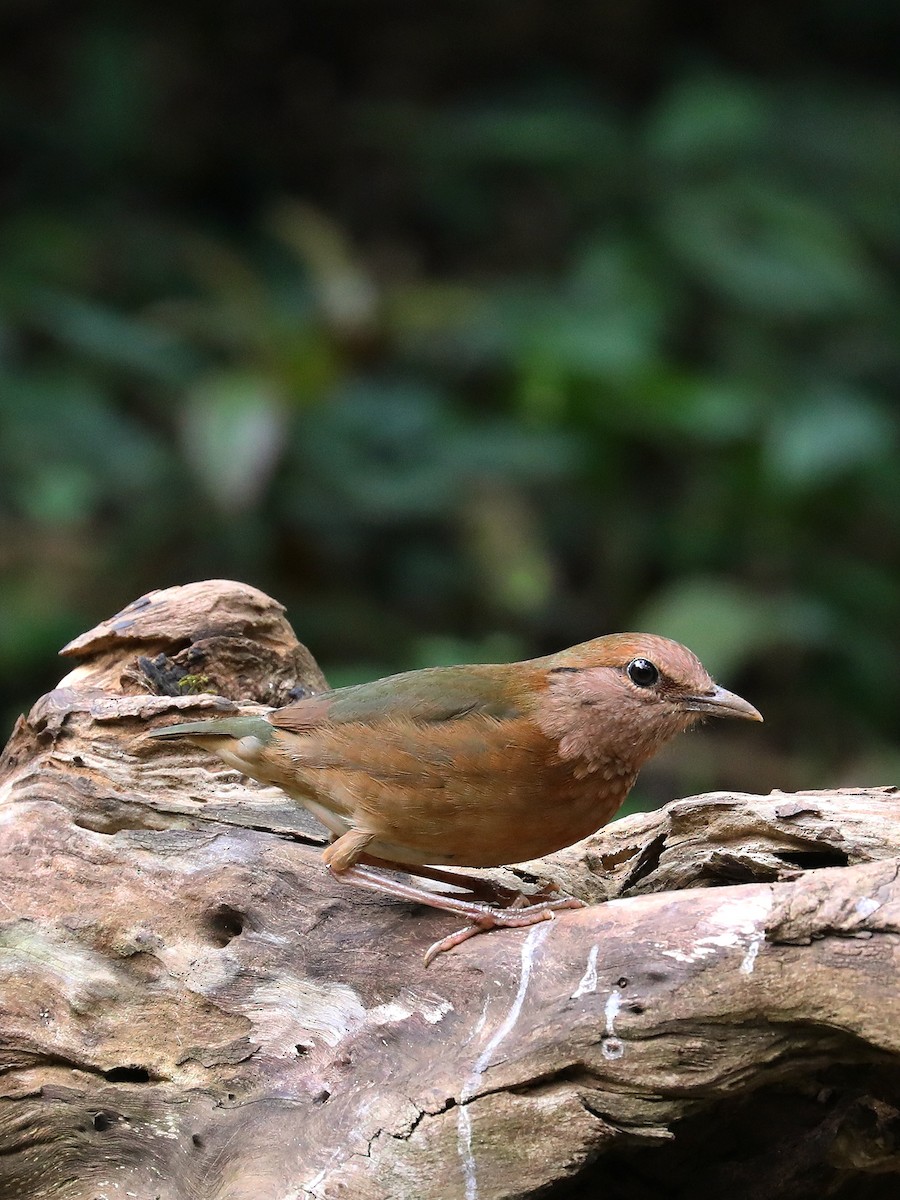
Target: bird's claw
<point>513,917</point>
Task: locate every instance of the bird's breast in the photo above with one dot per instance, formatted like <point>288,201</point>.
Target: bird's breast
<point>487,794</point>
<point>475,792</point>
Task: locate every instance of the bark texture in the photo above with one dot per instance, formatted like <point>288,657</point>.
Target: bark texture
<point>192,1009</point>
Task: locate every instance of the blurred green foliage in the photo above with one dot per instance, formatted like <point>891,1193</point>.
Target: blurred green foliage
<point>466,333</point>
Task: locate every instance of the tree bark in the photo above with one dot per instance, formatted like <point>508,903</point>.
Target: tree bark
<point>193,1009</point>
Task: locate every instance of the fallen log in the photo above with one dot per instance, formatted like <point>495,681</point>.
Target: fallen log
<point>193,1009</point>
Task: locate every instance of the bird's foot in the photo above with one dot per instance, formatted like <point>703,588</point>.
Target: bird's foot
<point>481,916</point>
<point>513,917</point>
<point>476,885</point>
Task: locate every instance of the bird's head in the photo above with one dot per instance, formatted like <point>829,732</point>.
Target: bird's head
<point>630,692</point>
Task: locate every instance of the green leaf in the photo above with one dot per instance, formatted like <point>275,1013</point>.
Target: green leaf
<point>768,249</point>
<point>708,118</point>
<point>712,411</point>
<point>233,431</point>
<point>545,134</point>
<point>828,434</point>
<point>102,334</point>
<point>67,447</point>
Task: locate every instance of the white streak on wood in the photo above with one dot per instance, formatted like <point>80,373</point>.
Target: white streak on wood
<point>611,1009</point>
<point>295,1010</point>
<point>408,1004</point>
<point>588,982</point>
<point>536,935</point>
<point>611,1046</point>
<point>734,925</point>
<point>482,1020</point>
<point>464,1149</point>
<point>749,960</point>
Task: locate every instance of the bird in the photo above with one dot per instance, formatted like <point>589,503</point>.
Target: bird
<point>479,765</point>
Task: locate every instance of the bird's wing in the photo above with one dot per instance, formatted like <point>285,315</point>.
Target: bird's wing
<point>434,695</point>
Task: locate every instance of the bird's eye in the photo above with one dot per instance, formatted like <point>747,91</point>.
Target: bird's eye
<point>642,672</point>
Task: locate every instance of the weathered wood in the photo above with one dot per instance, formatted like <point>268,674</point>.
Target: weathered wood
<point>194,1010</point>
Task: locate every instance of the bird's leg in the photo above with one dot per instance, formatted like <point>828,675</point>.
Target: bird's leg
<point>456,939</point>
<point>484,889</point>
<point>475,910</point>
<point>350,848</point>
<point>480,916</point>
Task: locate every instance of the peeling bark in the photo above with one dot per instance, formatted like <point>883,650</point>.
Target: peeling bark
<point>193,1009</point>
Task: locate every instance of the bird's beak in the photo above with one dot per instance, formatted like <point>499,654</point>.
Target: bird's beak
<point>720,703</point>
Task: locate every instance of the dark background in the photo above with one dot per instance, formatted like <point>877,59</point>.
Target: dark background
<point>468,331</point>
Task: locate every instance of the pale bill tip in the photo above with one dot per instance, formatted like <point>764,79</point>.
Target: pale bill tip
<point>722,703</point>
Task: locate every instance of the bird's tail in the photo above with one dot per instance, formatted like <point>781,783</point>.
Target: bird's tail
<point>236,727</point>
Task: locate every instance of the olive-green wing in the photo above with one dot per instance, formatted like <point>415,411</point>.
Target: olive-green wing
<point>431,696</point>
